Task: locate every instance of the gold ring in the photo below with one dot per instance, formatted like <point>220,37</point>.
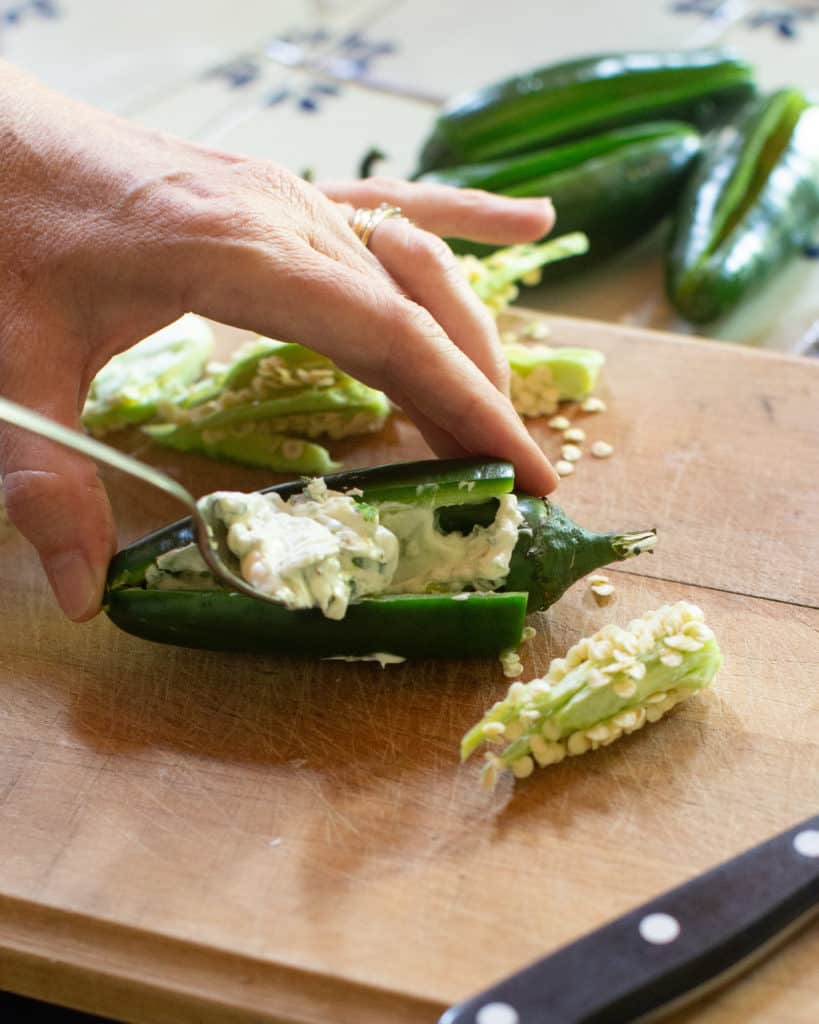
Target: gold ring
<point>366,221</point>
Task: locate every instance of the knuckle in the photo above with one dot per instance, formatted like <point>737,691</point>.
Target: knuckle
<point>436,251</point>
<point>26,488</point>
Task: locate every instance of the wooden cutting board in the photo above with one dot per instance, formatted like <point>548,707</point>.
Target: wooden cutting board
<point>195,837</point>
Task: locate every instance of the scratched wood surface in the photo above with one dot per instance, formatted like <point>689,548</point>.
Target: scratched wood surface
<point>189,837</point>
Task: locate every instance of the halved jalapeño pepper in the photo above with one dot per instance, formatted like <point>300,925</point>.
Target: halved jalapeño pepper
<point>550,554</point>
<point>582,97</point>
<point>751,204</point>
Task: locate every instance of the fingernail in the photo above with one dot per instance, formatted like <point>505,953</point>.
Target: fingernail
<point>74,583</point>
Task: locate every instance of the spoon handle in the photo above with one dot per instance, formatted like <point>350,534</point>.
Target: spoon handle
<point>22,417</point>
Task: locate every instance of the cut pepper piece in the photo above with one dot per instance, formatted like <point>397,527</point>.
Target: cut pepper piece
<point>341,411</point>
<point>493,277</point>
<point>606,686</point>
<point>542,376</point>
<point>129,388</point>
<point>257,447</point>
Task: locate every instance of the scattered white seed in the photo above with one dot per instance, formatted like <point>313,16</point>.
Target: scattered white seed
<point>559,423</point>
<point>574,434</point>
<point>698,630</point>
<point>577,654</point>
<point>598,577</point>
<point>640,712</point>
<point>511,664</point>
<point>564,468</point>
<point>571,453</point>
<point>626,720</point>
<point>602,590</point>
<point>545,752</point>
<point>578,744</point>
<point>602,449</point>
<point>517,693</point>
<point>593,404</point>
<point>598,733</point>
<point>681,642</point>
<point>523,767</point>
<point>625,688</point>
<point>673,659</point>
<point>550,730</point>
<point>494,729</point>
<point>536,329</point>
<point>514,730</point>
<point>529,633</point>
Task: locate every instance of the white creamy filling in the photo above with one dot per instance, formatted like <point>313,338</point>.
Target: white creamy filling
<point>319,549</point>
<point>323,549</point>
<point>431,560</point>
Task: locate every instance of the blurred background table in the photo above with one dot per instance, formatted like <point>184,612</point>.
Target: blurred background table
<point>316,84</point>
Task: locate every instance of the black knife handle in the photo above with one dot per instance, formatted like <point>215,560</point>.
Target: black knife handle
<point>667,949</point>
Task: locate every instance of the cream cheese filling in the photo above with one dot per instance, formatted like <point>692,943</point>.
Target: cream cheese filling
<point>324,549</point>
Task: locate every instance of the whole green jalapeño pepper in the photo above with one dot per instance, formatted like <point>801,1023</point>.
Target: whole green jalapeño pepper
<point>751,204</point>
<point>550,555</point>
<point>583,97</point>
<point>614,187</point>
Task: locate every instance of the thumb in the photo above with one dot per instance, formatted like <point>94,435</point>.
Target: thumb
<point>56,500</point>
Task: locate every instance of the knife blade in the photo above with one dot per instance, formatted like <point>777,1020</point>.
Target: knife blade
<point>670,950</point>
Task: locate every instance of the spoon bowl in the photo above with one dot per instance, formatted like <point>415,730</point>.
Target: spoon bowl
<point>211,536</point>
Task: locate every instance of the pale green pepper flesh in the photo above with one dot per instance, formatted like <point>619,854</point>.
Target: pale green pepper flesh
<point>608,685</point>
<point>131,386</point>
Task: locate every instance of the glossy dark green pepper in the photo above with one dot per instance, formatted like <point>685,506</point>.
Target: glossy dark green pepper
<point>584,97</point>
<point>613,187</point>
<point>551,554</point>
<point>750,206</point>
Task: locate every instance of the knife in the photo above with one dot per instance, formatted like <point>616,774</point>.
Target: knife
<point>670,950</point>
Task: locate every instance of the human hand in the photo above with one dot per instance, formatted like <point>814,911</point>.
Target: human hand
<point>108,232</point>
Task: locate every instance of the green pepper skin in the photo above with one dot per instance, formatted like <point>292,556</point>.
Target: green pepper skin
<point>464,492</point>
<point>276,452</point>
<point>586,96</point>
<point>751,205</point>
<point>415,626</point>
<point>614,196</point>
<point>552,552</point>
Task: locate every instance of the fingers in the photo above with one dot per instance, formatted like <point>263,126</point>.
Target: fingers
<point>55,499</point>
<point>384,339</point>
<point>452,212</point>
<point>426,270</point>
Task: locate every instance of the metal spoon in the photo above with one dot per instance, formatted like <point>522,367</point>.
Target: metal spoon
<point>211,535</point>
